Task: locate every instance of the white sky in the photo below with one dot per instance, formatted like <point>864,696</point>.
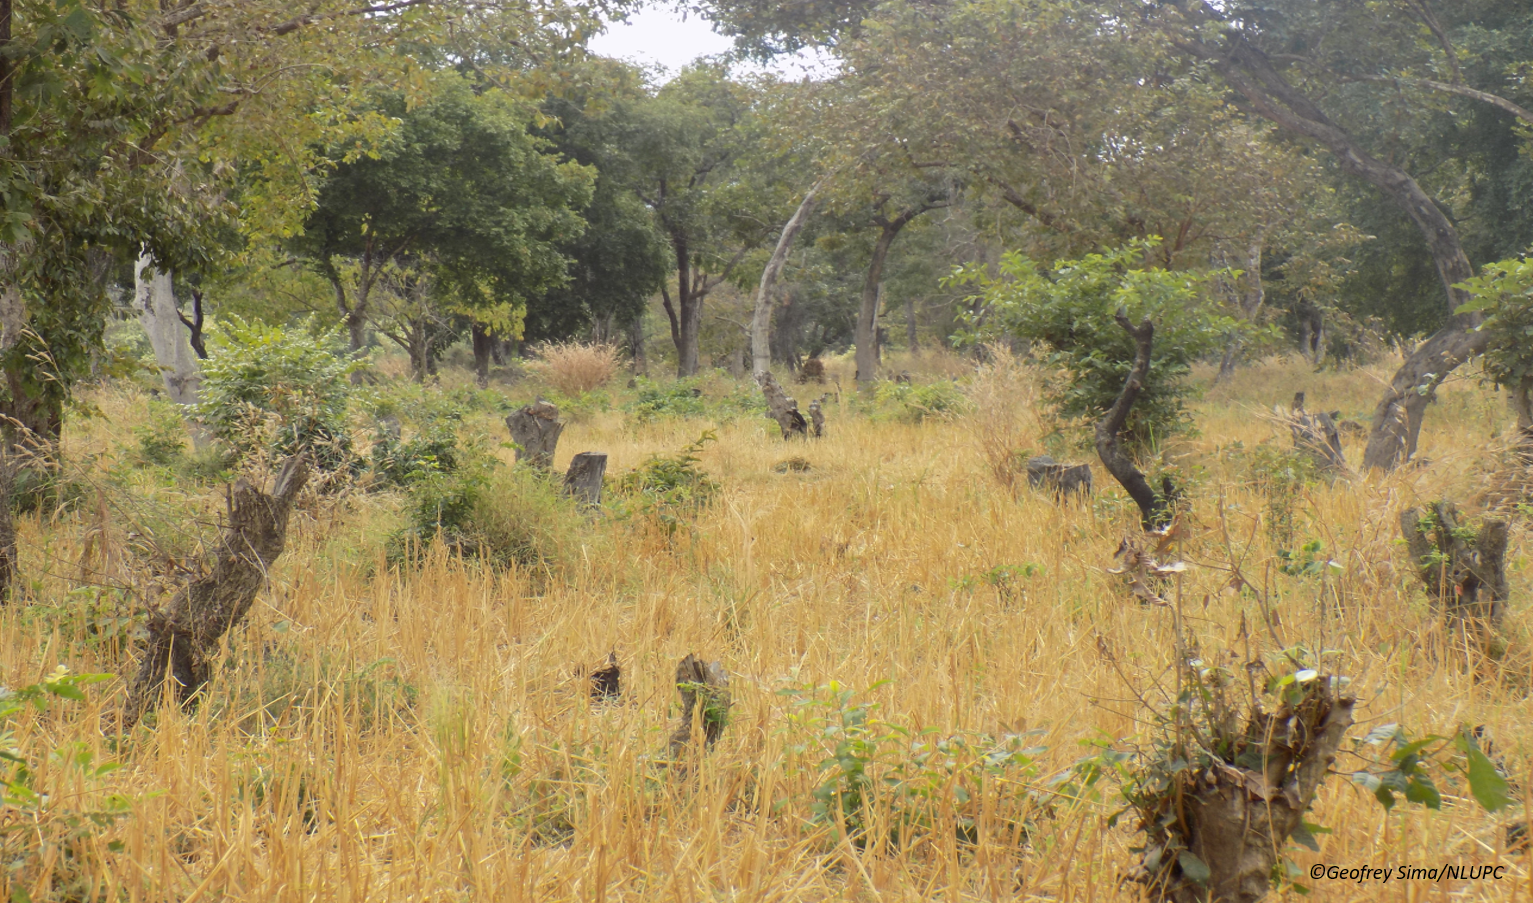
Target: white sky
<point>657,35</point>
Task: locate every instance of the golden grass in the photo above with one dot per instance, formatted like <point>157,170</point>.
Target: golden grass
<point>852,572</point>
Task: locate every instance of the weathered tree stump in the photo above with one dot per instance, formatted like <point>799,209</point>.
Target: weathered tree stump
<point>1155,509</point>
<point>704,693</point>
<point>583,481</point>
<point>535,429</point>
<point>1464,570</point>
<point>184,635</point>
<point>816,419</point>
<point>1316,435</point>
<point>812,371</point>
<point>607,681</point>
<point>1043,472</point>
<point>1237,819</point>
<point>784,409</point>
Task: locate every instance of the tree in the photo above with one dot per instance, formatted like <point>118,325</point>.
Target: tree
<point>462,208</point>
<point>1260,51</point>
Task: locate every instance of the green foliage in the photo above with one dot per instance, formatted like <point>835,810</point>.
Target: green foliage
<point>482,509</point>
<point>1281,474</point>
<point>273,391</point>
<point>1008,580</point>
<point>162,437</point>
<point>884,783</point>
<point>914,403</point>
<point>670,489</point>
<point>399,463</point>
<point>45,838</point>
<point>1504,292</point>
<point>1069,312</point>
<point>1411,764</point>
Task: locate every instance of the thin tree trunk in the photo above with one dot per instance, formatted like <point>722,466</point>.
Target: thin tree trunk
<point>761,317</point>
<point>483,345</point>
<point>866,334</point>
<point>636,345</point>
<point>1154,509</point>
<point>155,299</point>
<point>1250,302</point>
<point>910,323</point>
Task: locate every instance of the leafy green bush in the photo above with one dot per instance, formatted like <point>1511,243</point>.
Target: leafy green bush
<point>1067,312</point>
<point>490,512</point>
<point>162,438</point>
<point>670,489</point>
<point>399,463</point>
<point>1504,292</point>
<point>273,391</point>
<point>45,846</point>
<point>682,398</point>
<point>915,403</point>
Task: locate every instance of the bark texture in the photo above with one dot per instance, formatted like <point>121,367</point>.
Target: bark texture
<point>154,298</point>
<point>1154,508</point>
<point>583,481</point>
<point>535,429</point>
<point>705,704</point>
<point>761,316</point>
<point>784,409</point>
<point>184,635</point>
<point>865,335</point>
<point>1237,820</point>
<point>1464,570</point>
<point>1317,436</point>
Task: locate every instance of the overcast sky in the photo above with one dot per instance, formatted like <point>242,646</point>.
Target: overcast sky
<point>658,35</point>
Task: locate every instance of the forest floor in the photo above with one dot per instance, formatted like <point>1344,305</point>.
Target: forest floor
<point>424,733</point>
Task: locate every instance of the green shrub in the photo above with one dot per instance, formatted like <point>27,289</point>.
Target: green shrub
<point>682,398</point>
<point>670,489</point>
<point>273,391</point>
<point>497,514</point>
<point>398,463</point>
<point>915,403</point>
<point>1067,313</point>
<point>162,438</point>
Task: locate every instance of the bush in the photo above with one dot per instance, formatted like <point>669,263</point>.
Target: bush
<point>496,514</point>
<point>915,403</point>
<point>574,368</point>
<point>1068,315</point>
<point>682,398</point>
<point>273,391</point>
<point>670,489</point>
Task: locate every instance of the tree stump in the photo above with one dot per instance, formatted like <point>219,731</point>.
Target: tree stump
<point>535,429</point>
<point>707,685</point>
<point>1043,472</point>
<point>812,371</point>
<point>184,635</point>
<point>1316,435</point>
<point>583,481</point>
<point>1464,569</point>
<point>1233,818</point>
<point>784,409</point>
<point>816,419</point>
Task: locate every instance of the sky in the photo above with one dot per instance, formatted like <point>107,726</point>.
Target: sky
<point>657,35</point>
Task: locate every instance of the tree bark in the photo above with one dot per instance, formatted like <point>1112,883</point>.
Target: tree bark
<point>707,685</point>
<point>910,323</point>
<point>583,481</point>
<point>1154,508</point>
<point>184,635</point>
<point>1464,570</point>
<point>483,348</point>
<point>784,409</point>
<point>155,300</point>
<point>761,317</point>
<point>535,429</point>
<point>636,346</point>
<point>866,333</point>
<point>1397,419</point>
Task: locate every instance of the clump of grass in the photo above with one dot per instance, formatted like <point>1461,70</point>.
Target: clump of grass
<point>500,515</point>
<point>575,368</point>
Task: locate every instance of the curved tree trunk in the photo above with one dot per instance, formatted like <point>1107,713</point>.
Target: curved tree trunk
<point>1154,509</point>
<point>761,317</point>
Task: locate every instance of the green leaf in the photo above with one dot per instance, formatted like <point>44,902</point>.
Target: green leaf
<point>1193,867</point>
<point>1304,838</point>
<point>1420,790</point>
<point>1486,782</point>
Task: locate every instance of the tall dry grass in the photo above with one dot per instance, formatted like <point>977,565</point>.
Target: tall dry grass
<point>574,368</point>
<point>425,736</point>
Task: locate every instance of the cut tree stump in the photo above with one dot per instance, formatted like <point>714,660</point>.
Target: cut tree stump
<point>1043,472</point>
<point>706,684</point>
<point>1316,435</point>
<point>583,481</point>
<point>784,409</point>
<point>816,419</point>
<point>184,635</point>
<point>607,681</point>
<point>535,429</point>
<point>1464,570</point>
<point>1236,819</point>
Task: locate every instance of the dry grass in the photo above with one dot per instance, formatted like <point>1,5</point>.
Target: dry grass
<point>424,737</point>
<point>574,368</point>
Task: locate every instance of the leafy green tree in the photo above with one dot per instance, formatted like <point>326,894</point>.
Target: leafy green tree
<point>1069,312</point>
<point>461,198</point>
<point>1503,292</point>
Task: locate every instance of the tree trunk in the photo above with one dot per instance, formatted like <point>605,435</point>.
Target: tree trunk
<point>154,298</point>
<point>8,550</point>
<point>1154,509</point>
<point>1522,406</point>
<point>535,429</point>
<point>483,348</point>
<point>636,346</point>
<point>183,636</point>
<point>706,684</point>
<point>1250,302</point>
<point>784,409</point>
<point>866,334</point>
<point>910,323</point>
<point>761,317</point>
<point>1464,570</point>
<point>1316,436</point>
<point>1397,419</point>
<point>583,481</point>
